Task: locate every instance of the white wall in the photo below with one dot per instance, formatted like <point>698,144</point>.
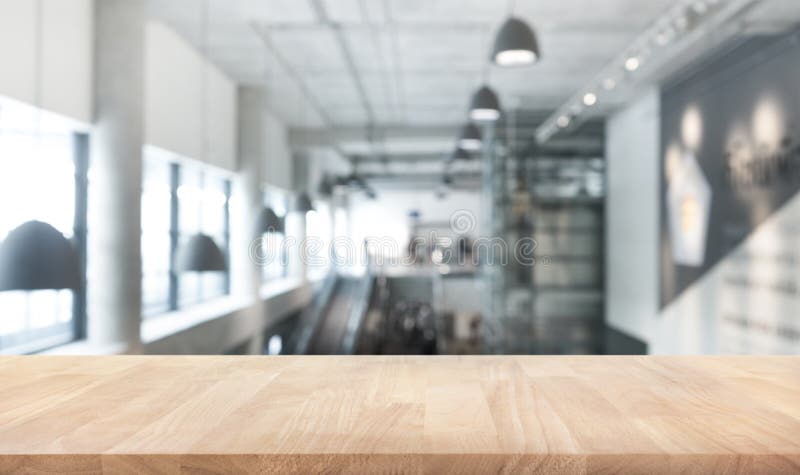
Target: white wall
<point>67,55</point>
<point>632,222</point>
<point>279,164</point>
<point>633,242</point>
<point>697,321</point>
<point>176,104</point>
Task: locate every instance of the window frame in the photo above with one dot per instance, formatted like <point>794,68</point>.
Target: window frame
<point>50,337</point>
<point>278,200</point>
<point>177,167</point>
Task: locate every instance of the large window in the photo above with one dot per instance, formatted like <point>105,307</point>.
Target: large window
<point>319,229</point>
<point>202,208</point>
<point>42,177</point>
<point>274,265</point>
<point>156,235</point>
<point>179,200</point>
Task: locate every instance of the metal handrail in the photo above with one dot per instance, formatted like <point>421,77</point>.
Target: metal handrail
<point>311,316</point>
<point>357,315</point>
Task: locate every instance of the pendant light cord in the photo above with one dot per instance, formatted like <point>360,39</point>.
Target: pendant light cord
<point>511,6</point>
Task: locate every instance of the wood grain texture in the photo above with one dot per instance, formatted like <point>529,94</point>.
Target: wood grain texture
<point>518,414</point>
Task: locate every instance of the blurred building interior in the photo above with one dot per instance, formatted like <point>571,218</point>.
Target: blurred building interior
<point>399,177</point>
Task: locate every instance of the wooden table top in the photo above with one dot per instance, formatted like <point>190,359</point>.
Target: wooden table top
<point>526,414</point>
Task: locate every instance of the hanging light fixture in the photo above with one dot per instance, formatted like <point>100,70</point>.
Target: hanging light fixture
<point>460,154</point>
<point>303,203</point>
<point>35,256</point>
<point>200,254</point>
<point>326,186</point>
<point>515,45</point>
<point>470,138</point>
<point>269,222</point>
<point>485,105</point>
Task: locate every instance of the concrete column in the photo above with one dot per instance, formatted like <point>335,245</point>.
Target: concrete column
<point>296,234</point>
<point>247,201</point>
<point>248,197</point>
<point>114,257</point>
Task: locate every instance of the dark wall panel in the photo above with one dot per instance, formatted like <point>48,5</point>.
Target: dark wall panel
<point>730,155</point>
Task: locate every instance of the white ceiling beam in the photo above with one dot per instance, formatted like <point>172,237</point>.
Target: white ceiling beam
<point>308,138</point>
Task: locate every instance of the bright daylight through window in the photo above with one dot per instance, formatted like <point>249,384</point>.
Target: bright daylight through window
<point>31,142</point>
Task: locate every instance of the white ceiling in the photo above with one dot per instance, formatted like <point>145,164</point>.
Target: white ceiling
<point>350,65</point>
<point>416,60</point>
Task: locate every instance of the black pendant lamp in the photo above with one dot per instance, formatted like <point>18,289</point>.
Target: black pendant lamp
<point>470,138</point>
<point>326,186</point>
<point>460,154</point>
<point>200,254</point>
<point>485,105</point>
<point>269,222</point>
<point>35,256</point>
<point>515,45</point>
<point>304,204</point>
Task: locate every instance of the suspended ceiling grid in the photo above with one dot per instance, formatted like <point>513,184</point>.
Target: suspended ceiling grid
<point>412,62</point>
<point>365,68</point>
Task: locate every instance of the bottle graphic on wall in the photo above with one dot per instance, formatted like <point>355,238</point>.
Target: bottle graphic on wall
<point>689,209</point>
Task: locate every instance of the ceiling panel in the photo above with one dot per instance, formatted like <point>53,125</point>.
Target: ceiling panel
<point>334,90</point>
<point>446,11</point>
<point>371,48</point>
<point>375,11</point>
<point>346,116</point>
<point>590,15</point>
<point>418,60</point>
<point>309,50</point>
<point>275,11</point>
<point>343,11</point>
<point>450,50</point>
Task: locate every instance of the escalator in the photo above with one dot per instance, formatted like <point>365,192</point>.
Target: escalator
<point>329,336</point>
<point>332,324</point>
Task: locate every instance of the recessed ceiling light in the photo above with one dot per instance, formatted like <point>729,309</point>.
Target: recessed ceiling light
<point>663,37</point>
<point>563,121</point>
<point>590,99</point>
<point>609,84</point>
<point>632,63</point>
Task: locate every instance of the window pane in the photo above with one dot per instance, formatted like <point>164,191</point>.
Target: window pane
<point>202,208</point>
<point>318,236</point>
<point>273,257</point>
<point>37,182</point>
<point>156,246</point>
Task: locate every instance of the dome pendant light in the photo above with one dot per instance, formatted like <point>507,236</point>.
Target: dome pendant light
<point>459,154</point>
<point>470,138</point>
<point>35,256</point>
<point>485,106</point>
<point>200,254</point>
<point>303,203</point>
<point>269,222</point>
<point>515,45</point>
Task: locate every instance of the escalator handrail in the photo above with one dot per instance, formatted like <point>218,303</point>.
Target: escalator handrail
<point>357,315</point>
<point>312,315</point>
